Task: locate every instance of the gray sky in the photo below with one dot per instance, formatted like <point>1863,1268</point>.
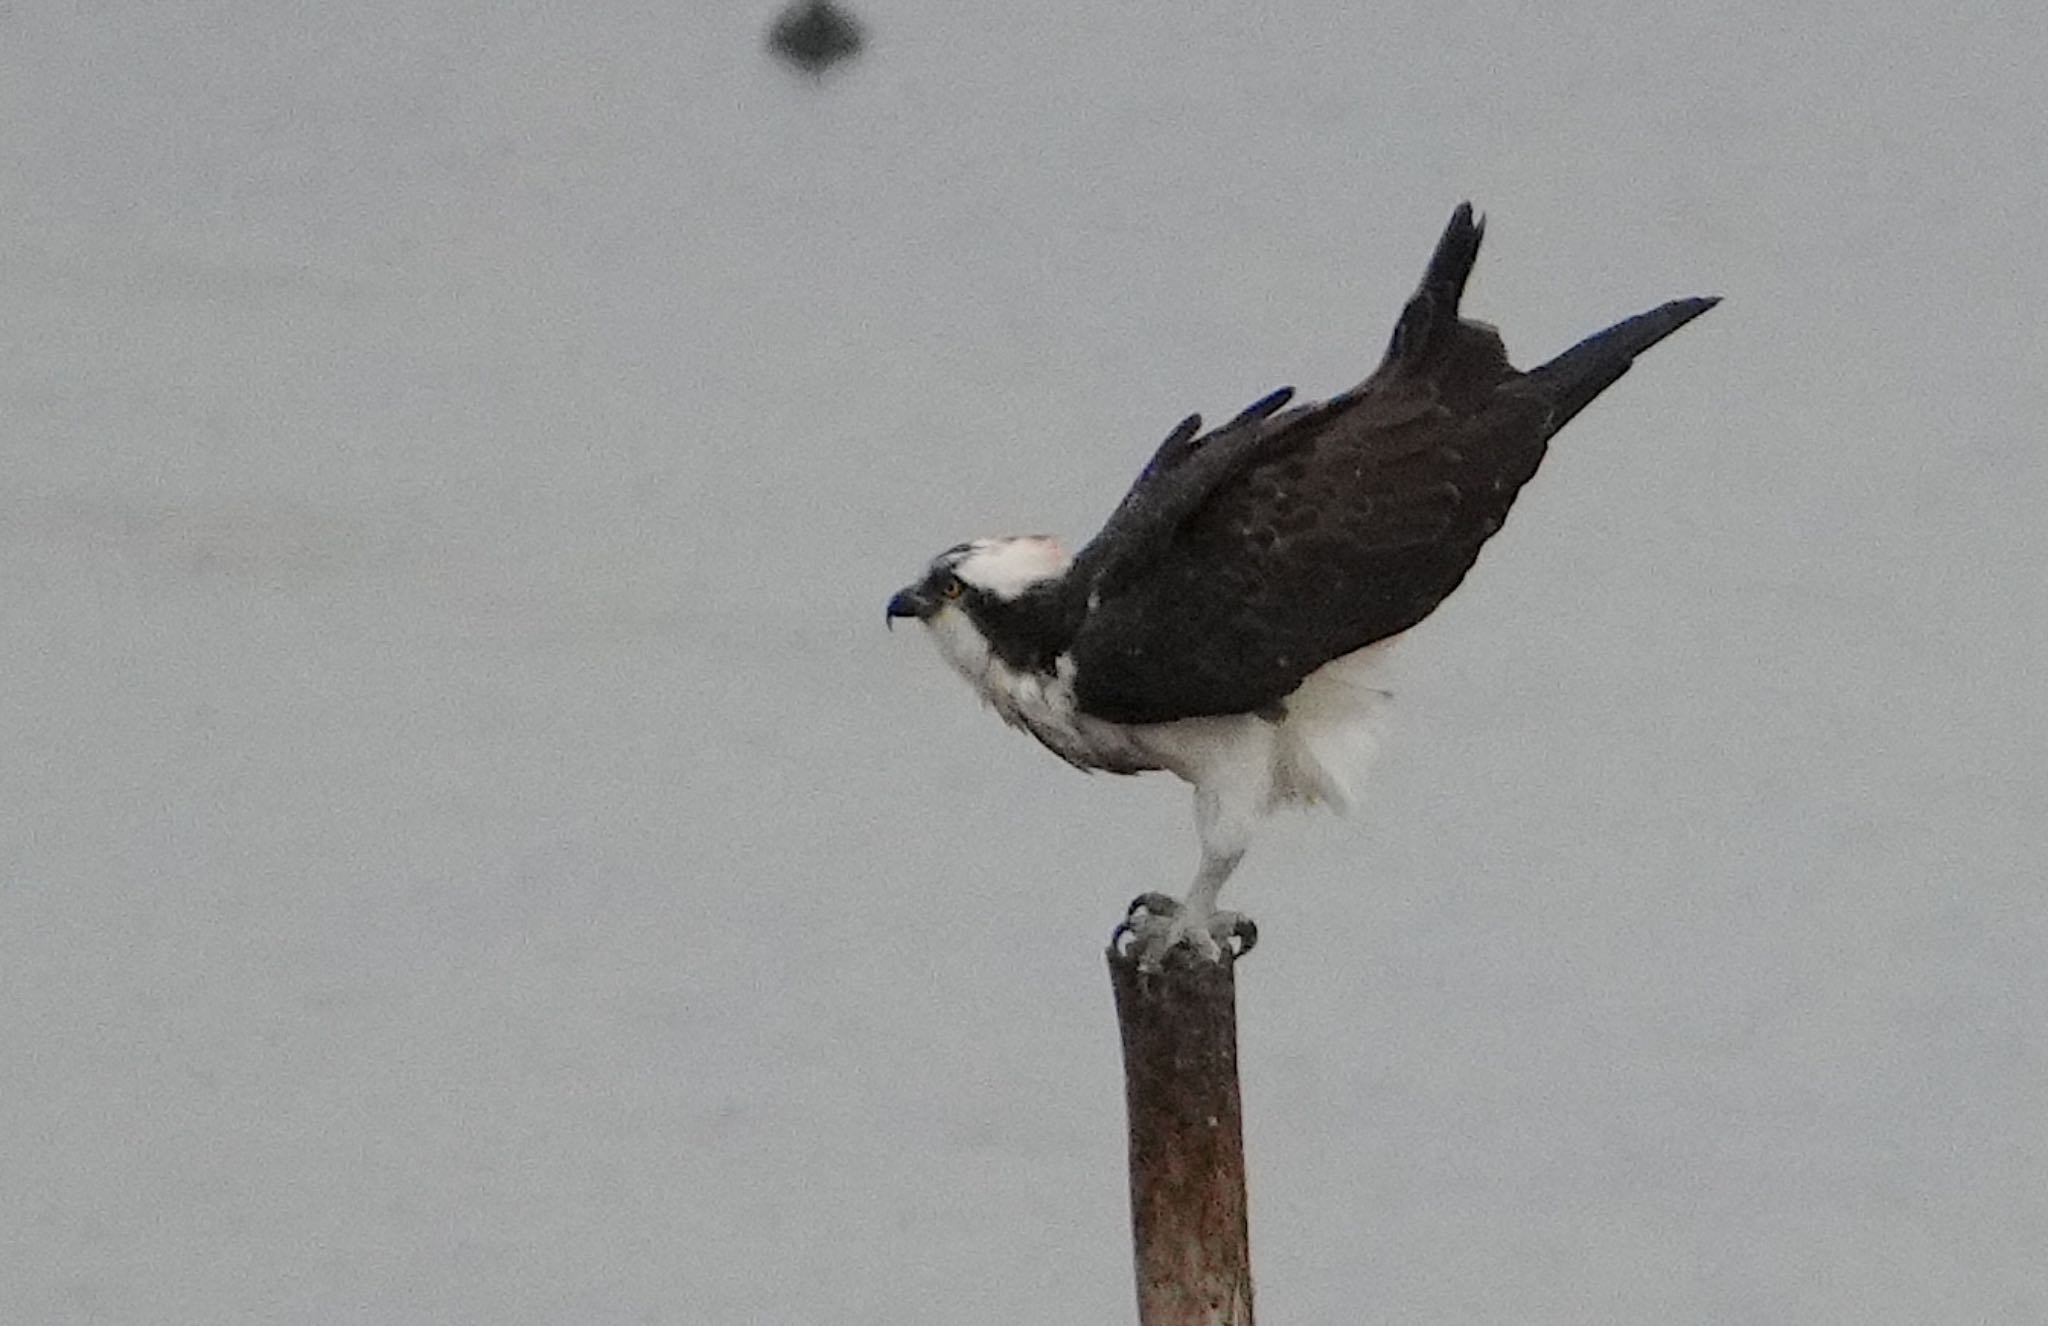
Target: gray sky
<point>472,855</point>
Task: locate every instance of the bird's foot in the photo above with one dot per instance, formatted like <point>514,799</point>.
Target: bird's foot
<point>1161,928</point>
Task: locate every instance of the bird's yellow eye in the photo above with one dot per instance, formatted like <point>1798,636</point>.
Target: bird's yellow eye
<point>954,587</point>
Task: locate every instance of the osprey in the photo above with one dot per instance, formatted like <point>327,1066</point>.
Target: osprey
<point>1225,623</point>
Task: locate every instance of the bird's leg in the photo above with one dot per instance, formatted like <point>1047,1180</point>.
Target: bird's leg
<point>1226,810</point>
<point>1159,924</point>
<point>1201,915</point>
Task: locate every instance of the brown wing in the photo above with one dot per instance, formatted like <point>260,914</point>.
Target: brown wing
<point>1352,529</point>
<point>1348,522</point>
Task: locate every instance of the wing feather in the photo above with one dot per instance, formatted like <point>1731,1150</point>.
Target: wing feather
<point>1244,559</point>
<point>1347,534</point>
<point>1185,470</point>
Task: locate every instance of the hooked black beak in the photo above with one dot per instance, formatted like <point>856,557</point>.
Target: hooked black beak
<point>911,602</point>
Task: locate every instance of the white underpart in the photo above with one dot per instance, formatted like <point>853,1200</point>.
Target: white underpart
<point>1243,767</point>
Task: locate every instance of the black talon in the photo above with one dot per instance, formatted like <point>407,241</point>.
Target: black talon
<point>1145,913</point>
<point>1151,904</point>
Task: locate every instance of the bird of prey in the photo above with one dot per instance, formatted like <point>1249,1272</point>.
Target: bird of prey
<point>1226,622</point>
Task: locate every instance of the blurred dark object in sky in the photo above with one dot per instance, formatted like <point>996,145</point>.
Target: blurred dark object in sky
<point>814,35</point>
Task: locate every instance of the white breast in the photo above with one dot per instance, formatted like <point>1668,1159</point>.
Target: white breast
<point>1316,754</point>
<point>1039,704</point>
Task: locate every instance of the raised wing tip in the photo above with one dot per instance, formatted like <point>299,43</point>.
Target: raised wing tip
<point>1456,251</point>
<point>1265,405</point>
<point>1468,225</point>
<point>1682,311</point>
<point>1175,448</point>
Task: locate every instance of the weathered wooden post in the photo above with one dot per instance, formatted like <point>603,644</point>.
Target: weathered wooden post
<point>1190,1237</point>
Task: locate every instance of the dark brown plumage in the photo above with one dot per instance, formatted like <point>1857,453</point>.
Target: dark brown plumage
<point>1245,559</point>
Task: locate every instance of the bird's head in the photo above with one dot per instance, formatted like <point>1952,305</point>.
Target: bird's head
<point>975,580</point>
<point>984,603</point>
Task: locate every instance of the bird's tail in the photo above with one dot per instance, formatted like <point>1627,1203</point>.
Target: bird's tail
<point>1575,377</point>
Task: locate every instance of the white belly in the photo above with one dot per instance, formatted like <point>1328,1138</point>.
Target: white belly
<point>1315,754</point>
